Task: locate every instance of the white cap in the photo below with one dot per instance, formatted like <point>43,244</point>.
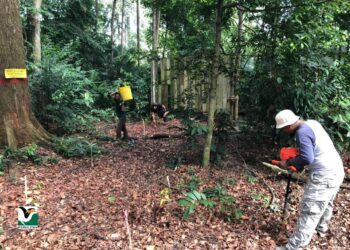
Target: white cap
<point>285,117</point>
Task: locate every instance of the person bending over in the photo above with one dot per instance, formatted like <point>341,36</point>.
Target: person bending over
<point>160,110</point>
<point>326,173</point>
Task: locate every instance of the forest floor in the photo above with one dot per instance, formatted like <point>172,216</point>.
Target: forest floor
<point>113,201</point>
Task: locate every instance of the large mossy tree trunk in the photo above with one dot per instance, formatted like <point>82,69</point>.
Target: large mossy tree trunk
<point>18,126</point>
<point>213,84</point>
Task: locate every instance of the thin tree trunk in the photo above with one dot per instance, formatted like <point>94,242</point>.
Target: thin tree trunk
<point>18,126</point>
<point>36,41</point>
<point>154,76</point>
<point>138,31</point>
<point>122,38</point>
<point>213,85</point>
<point>118,28</point>
<point>127,31</point>
<point>97,11</point>
<point>237,69</point>
<point>113,30</point>
<point>165,39</point>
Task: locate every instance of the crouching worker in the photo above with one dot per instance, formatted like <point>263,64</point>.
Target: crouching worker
<point>120,111</point>
<point>160,110</point>
<point>326,173</point>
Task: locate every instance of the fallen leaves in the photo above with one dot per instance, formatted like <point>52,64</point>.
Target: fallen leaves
<point>82,207</point>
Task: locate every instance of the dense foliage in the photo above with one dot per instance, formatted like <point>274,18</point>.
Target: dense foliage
<point>70,91</point>
<point>292,54</point>
<point>287,54</point>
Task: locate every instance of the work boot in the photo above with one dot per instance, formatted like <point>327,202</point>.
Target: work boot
<point>322,231</point>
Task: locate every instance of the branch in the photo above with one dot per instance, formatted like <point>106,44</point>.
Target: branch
<point>271,191</point>
<point>162,136</point>
<point>276,169</point>
<point>265,183</point>
<point>296,176</point>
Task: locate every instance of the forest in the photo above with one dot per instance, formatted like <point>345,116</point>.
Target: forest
<point>174,124</point>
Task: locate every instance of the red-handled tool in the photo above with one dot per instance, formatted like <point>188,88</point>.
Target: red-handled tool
<point>287,153</point>
<point>291,168</point>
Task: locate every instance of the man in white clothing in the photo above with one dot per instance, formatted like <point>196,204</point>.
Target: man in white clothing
<point>326,173</point>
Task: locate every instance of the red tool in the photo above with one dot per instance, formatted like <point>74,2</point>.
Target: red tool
<point>287,153</point>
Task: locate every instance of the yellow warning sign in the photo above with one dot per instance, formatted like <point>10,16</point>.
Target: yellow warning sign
<point>15,73</point>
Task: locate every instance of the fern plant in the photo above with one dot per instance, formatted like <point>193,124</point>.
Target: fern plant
<point>192,200</point>
<point>76,147</point>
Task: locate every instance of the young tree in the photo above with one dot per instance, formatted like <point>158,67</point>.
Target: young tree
<point>36,34</point>
<point>18,126</point>
<point>97,12</point>
<point>122,24</point>
<point>113,30</point>
<point>213,84</point>
<point>138,31</point>
<point>235,63</point>
<point>155,44</point>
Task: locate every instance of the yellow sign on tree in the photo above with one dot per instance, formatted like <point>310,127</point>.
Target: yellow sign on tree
<point>15,73</point>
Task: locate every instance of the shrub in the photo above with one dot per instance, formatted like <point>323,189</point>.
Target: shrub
<point>76,147</point>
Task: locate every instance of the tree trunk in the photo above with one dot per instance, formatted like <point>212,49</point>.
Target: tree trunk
<point>122,38</point>
<point>138,31</point>
<point>235,65</point>
<point>113,30</point>
<point>155,30</point>
<point>213,85</point>
<point>97,10</point>
<point>18,126</point>
<point>36,41</point>
<point>127,31</point>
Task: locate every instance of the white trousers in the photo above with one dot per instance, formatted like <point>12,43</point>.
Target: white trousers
<point>316,207</point>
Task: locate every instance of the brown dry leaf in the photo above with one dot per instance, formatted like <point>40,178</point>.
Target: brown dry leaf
<point>75,214</point>
<point>245,217</point>
<point>52,238</point>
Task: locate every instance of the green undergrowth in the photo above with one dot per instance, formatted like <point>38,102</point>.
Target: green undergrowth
<point>24,154</point>
<point>76,147</point>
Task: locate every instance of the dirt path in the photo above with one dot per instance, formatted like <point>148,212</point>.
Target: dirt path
<point>83,205</point>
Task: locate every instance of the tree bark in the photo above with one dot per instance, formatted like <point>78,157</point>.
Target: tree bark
<point>36,35</point>
<point>113,30</point>
<point>97,11</point>
<point>127,31</point>
<point>122,38</point>
<point>213,84</point>
<point>18,126</point>
<point>237,63</point>
<point>138,31</point>
<point>155,44</point>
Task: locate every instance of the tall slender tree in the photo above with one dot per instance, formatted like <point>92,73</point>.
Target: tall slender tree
<point>97,13</point>
<point>155,44</point>
<point>236,63</point>
<point>113,29</point>
<point>138,31</point>
<point>213,83</point>
<point>18,126</point>
<point>36,34</point>
<point>122,24</point>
